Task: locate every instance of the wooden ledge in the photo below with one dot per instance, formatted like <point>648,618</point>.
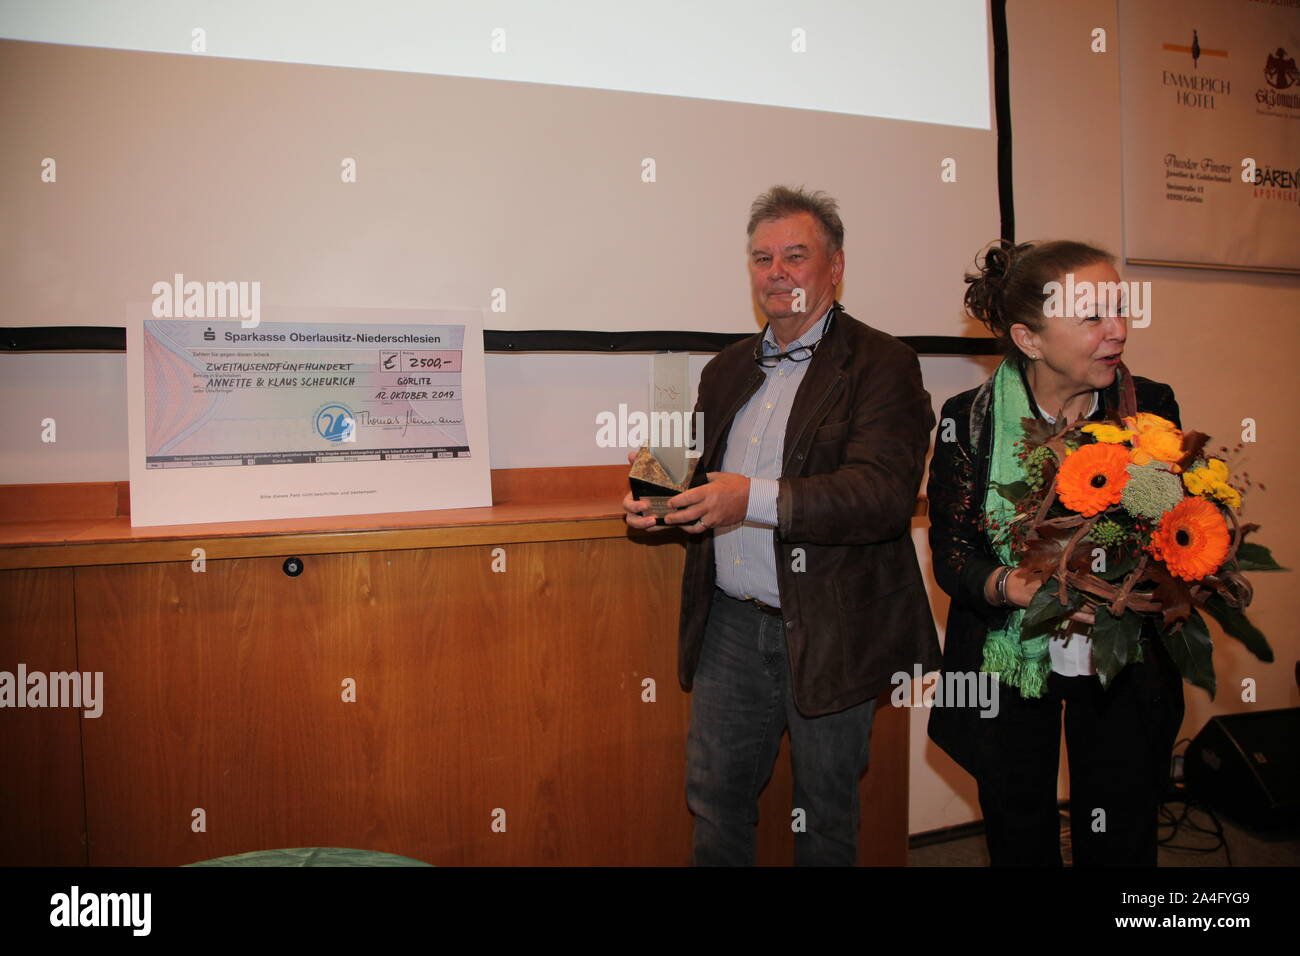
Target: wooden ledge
<point>88,523</point>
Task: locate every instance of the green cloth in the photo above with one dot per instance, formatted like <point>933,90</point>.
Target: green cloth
<point>1024,664</point>
<point>313,856</point>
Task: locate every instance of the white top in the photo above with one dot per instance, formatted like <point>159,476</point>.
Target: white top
<point>1075,658</point>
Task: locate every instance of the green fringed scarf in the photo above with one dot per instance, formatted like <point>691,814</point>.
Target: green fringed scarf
<point>1024,665</point>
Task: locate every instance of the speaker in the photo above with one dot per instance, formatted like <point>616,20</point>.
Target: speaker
<point>1248,766</point>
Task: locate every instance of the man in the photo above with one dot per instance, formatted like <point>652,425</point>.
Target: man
<point>801,594</point>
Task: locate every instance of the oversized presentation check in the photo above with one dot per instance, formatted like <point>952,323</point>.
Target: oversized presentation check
<point>311,412</point>
<point>220,395</point>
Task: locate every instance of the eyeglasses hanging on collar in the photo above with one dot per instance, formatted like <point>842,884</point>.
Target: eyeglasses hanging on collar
<point>801,353</point>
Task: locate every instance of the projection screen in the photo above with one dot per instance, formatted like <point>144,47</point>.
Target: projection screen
<point>568,165</point>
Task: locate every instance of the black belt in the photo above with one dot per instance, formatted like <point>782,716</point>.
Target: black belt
<point>765,608</point>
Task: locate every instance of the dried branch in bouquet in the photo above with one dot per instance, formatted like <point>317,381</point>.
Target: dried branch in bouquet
<point>1062,572</point>
<point>1125,591</point>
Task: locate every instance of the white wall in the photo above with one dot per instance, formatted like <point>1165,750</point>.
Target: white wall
<point>1225,341</point>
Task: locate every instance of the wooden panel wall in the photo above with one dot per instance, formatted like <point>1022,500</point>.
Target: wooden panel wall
<point>475,691</point>
<point>42,818</point>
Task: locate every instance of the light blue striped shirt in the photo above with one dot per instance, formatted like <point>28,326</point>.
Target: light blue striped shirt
<point>743,554</point>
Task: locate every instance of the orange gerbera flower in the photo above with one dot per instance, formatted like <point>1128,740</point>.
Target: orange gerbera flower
<point>1093,478</point>
<point>1192,539</point>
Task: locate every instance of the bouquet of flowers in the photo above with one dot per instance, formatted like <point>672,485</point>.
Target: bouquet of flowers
<point>1132,520</point>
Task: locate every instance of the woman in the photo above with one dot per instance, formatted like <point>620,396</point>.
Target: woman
<point>1118,739</point>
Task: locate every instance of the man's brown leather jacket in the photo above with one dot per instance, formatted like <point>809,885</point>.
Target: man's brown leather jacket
<point>854,453</point>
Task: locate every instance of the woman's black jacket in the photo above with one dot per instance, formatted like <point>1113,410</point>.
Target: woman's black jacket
<point>964,559</point>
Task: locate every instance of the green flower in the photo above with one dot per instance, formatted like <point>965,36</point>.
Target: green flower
<point>1108,534</point>
<point>1151,491</point>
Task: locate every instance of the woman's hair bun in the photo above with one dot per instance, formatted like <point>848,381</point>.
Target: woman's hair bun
<point>984,293</point>
<point>997,262</point>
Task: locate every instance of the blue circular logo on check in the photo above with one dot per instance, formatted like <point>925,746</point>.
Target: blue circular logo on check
<point>335,422</point>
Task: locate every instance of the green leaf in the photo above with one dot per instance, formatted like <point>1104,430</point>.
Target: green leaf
<point>1013,492</point>
<point>1192,651</point>
<point>1114,642</point>
<point>1122,565</point>
<point>1256,557</point>
<point>1044,607</point>
<point>1235,623</point>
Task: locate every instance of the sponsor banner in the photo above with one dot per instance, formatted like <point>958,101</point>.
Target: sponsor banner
<point>1211,135</point>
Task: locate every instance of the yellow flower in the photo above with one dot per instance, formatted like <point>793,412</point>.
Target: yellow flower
<point>1155,439</point>
<point>1229,495</point>
<point>1211,481</point>
<point>1108,434</point>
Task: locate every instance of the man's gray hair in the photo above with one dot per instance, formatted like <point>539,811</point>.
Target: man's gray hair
<point>781,201</point>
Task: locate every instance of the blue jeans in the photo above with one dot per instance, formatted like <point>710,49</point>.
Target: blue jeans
<point>741,704</point>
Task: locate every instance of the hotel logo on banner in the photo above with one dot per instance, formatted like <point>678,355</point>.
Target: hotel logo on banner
<point>1283,88</point>
<point>1196,89</point>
